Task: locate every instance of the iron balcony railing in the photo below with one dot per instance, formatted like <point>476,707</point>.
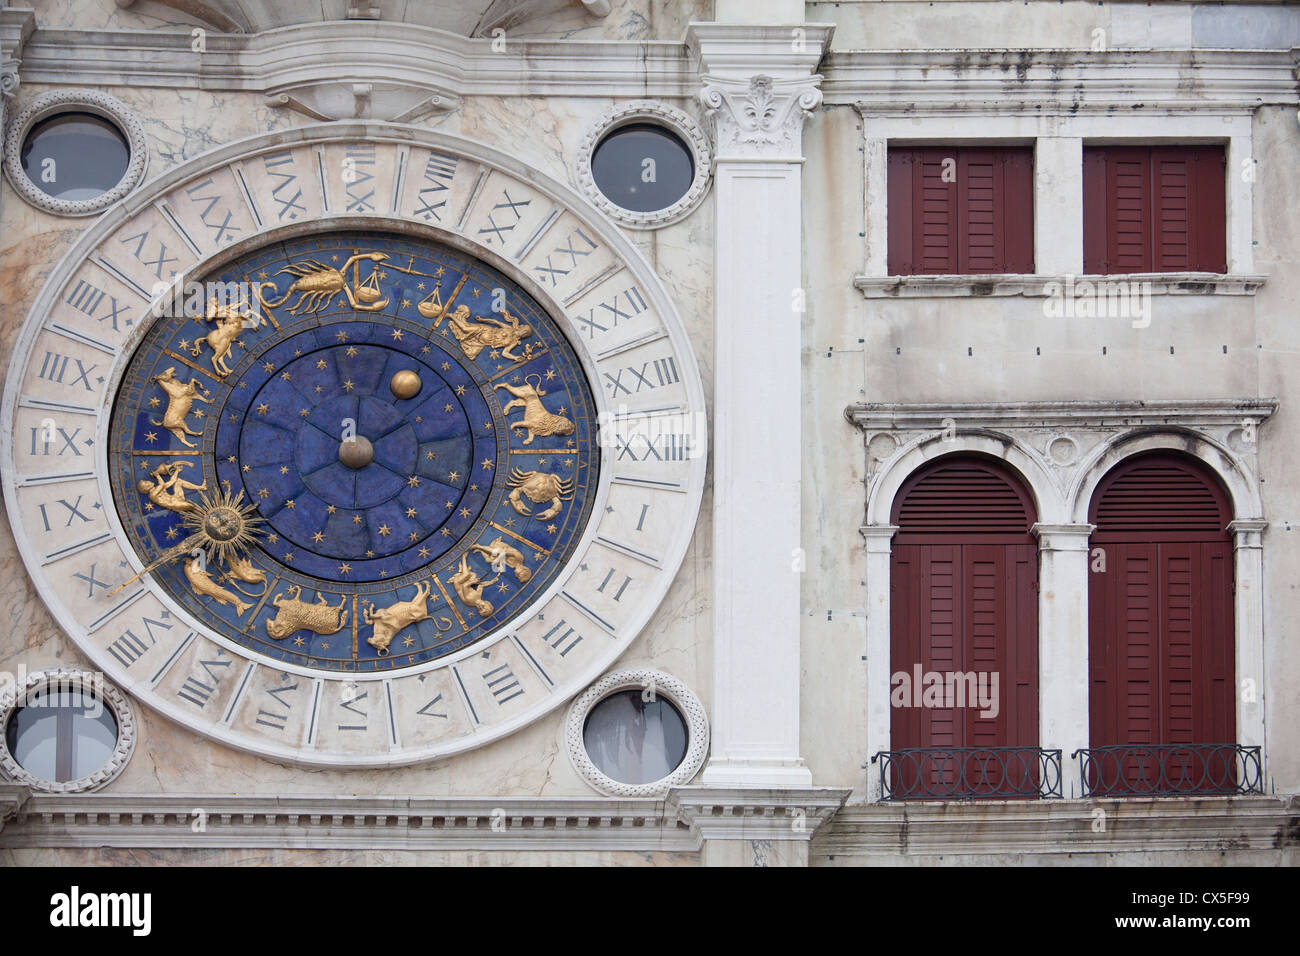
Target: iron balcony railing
<point>969,773</point>
<point>1170,770</point>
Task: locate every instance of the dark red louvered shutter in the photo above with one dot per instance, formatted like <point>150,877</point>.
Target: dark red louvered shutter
<point>1154,209</point>
<point>1161,630</point>
<point>960,211</point>
<point>964,599</point>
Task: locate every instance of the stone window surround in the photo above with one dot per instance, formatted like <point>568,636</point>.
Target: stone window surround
<point>89,683</point>
<point>57,102</point>
<point>1058,140</point>
<point>646,680</point>
<point>1062,450</point>
<point>657,114</point>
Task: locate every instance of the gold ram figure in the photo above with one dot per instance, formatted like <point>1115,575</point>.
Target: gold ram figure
<point>294,614</point>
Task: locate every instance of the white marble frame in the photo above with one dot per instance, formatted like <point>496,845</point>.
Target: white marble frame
<point>646,680</point>
<point>654,113</point>
<point>1062,530</point>
<point>379,132</point>
<point>1058,140</point>
<point>52,103</point>
<point>90,682</point>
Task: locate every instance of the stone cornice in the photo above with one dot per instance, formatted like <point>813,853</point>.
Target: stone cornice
<point>404,55</point>
<point>678,823</point>
<point>1061,827</point>
<point>884,83</point>
<point>311,822</point>
<point>874,416</point>
<point>718,813</point>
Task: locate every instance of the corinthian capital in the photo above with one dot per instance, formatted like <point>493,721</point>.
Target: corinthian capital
<point>762,116</point>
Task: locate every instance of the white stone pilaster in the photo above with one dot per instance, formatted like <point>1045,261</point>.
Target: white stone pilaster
<point>16,25</point>
<point>1248,548</point>
<point>1058,205</point>
<point>759,86</point>
<point>878,538</point>
<point>1063,644</point>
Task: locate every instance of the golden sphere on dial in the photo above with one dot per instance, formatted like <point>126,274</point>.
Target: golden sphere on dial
<point>406,384</point>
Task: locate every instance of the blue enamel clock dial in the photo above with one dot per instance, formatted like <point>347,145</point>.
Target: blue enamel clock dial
<point>357,452</point>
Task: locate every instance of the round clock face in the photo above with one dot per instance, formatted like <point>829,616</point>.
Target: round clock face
<point>405,441</point>
<point>352,445</point>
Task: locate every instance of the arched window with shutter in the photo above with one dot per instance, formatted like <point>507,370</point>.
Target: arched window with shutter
<point>964,601</point>
<point>1160,622</point>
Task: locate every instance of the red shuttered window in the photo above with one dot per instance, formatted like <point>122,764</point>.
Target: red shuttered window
<point>1154,209</point>
<point>961,211</point>
<point>1161,630</point>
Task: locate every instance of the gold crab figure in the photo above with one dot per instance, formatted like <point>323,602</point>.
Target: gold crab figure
<point>318,284</point>
<point>539,487</point>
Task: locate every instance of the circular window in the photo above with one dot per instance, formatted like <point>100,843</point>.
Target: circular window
<point>635,736</point>
<point>644,164</point>
<point>637,733</point>
<point>75,156</point>
<point>65,731</point>
<point>75,152</point>
<point>643,168</point>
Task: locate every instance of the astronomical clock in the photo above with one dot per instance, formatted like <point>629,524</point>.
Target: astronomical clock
<point>353,445</point>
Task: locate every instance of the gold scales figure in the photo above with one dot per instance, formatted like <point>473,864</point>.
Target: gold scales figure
<point>475,334</point>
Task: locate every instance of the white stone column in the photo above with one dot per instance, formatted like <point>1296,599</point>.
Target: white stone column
<point>759,87</point>
<point>1063,562</point>
<point>1248,549</point>
<point>879,569</point>
<point>16,25</point>
<point>1058,205</point>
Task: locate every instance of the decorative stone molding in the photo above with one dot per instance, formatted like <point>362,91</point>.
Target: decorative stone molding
<point>761,116</point>
<point>726,813</point>
<point>660,114</point>
<point>1066,83</point>
<point>1061,828</point>
<point>1030,436</point>
<point>348,822</point>
<point>16,26</point>
<point>52,103</point>
<point>358,51</point>
<point>1030,286</point>
<point>12,798</point>
<point>646,680</point>
<point>391,102</point>
<point>14,699</point>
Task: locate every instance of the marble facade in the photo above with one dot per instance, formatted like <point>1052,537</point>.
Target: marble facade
<point>795,684</point>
